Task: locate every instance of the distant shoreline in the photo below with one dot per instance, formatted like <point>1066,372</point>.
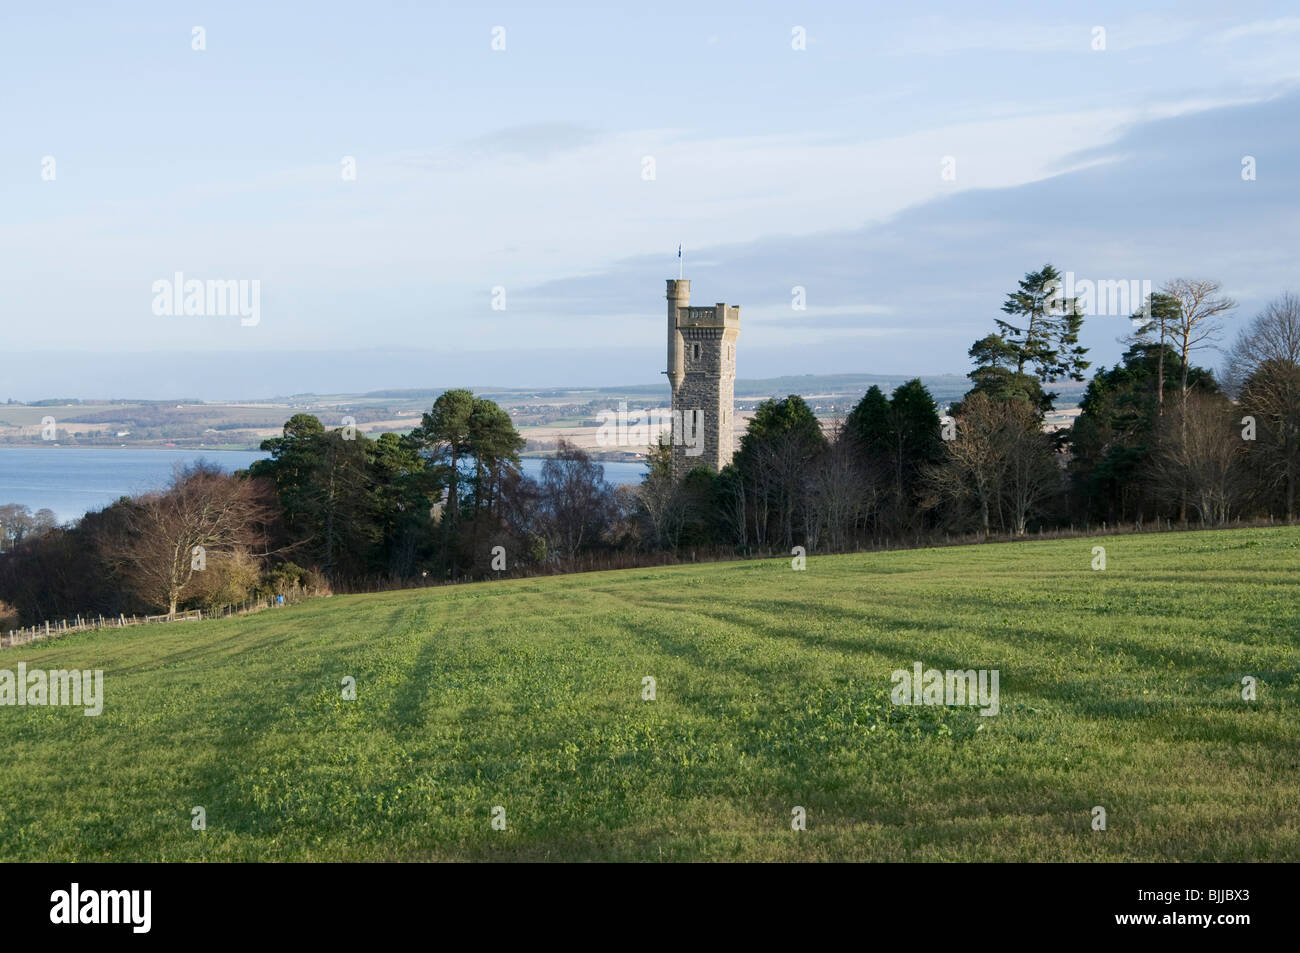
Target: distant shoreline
<point>135,447</point>
<point>535,455</point>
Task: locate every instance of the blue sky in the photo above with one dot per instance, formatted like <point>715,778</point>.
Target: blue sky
<point>523,168</point>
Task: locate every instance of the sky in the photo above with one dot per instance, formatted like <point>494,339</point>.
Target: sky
<point>904,165</point>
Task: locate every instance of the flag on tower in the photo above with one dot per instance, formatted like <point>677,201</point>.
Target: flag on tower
<point>679,260</point>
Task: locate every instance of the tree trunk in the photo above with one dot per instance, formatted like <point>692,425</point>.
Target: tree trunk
<point>1160,374</point>
<point>1290,493</point>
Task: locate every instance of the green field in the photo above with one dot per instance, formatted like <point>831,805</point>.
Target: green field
<point>1119,688</point>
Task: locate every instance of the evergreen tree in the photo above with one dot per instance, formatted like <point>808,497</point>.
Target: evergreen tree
<point>494,443</point>
<point>995,375</point>
<point>1154,327</point>
<point>443,436</point>
<point>894,438</point>
<point>463,429</point>
<point>1044,332</point>
<point>403,491</point>
<point>1115,436</point>
<point>783,438</point>
<point>293,466</point>
<point>867,424</point>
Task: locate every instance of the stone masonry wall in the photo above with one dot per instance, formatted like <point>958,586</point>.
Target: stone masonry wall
<point>707,386</point>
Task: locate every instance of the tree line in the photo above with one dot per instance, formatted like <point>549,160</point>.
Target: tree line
<point>1158,438</point>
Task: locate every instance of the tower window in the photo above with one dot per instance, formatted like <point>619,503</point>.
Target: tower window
<point>696,353</point>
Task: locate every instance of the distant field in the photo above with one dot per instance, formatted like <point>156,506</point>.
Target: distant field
<point>1119,688</point>
<point>20,415</point>
<point>542,416</point>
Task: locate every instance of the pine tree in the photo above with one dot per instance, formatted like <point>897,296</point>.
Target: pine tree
<point>1045,334</point>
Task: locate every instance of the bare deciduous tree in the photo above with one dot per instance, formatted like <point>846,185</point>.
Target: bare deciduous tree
<point>1264,373</point>
<point>170,534</point>
<point>17,524</point>
<point>1201,458</point>
<point>1033,475</point>
<point>1197,322</point>
<point>787,463</point>
<point>662,503</point>
<point>576,502</point>
<point>1196,325</point>
<point>974,465</point>
<point>1000,460</point>
<point>840,495</point>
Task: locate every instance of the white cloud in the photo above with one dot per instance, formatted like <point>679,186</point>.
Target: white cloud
<point>417,242</point>
<point>1278,27</point>
<point>944,36</point>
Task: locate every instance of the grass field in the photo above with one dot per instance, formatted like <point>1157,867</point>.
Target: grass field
<point>1119,688</point>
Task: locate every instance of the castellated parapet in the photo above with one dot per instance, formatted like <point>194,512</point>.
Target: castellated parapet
<point>702,374</point>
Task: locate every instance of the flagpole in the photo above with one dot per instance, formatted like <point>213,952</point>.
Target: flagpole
<point>679,262</point>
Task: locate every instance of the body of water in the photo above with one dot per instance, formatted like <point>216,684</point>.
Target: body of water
<point>72,481</point>
<point>616,472</point>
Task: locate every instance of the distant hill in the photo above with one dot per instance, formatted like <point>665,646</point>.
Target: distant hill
<point>243,424</point>
<point>944,387</point>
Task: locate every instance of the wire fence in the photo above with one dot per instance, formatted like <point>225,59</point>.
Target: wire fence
<point>54,628</point>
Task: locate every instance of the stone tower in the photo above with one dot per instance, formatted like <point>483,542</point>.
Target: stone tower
<point>702,374</point>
